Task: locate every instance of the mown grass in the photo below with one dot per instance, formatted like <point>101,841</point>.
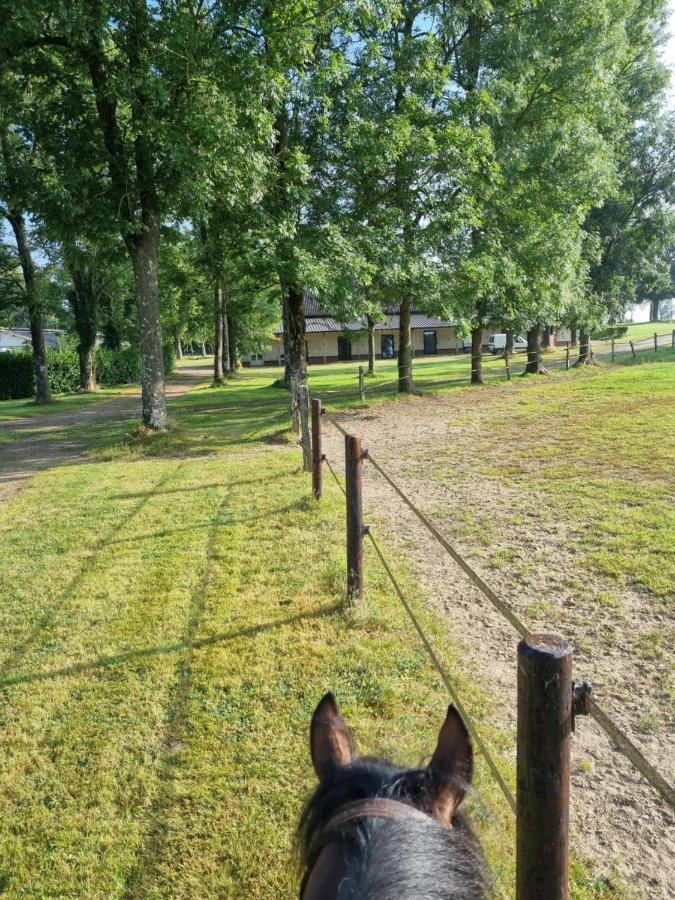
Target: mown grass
<point>597,450</point>
<point>170,612</point>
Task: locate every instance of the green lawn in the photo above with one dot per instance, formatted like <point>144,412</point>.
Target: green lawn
<point>170,612</point>
<point>646,330</point>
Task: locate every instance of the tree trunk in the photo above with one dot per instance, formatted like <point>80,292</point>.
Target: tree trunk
<point>235,361</point>
<point>534,364</point>
<point>477,355</point>
<point>37,335</point>
<point>654,309</point>
<point>179,348</point>
<point>573,337</point>
<point>84,303</point>
<point>405,374</point>
<point>508,349</point>
<point>371,346</point>
<point>144,251</point>
<point>294,339</point>
<point>227,361</point>
<point>584,348</point>
<point>218,372</point>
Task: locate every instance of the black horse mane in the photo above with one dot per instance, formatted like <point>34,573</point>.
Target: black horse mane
<point>386,860</point>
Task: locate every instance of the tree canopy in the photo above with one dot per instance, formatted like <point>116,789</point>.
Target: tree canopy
<point>197,168</point>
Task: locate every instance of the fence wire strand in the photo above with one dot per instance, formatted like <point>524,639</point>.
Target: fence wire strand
<point>445,679</point>
<point>622,741</point>
<point>472,575</point>
<point>473,731</point>
<point>628,748</point>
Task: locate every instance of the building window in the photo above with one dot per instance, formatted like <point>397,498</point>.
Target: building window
<point>429,343</point>
<point>387,346</point>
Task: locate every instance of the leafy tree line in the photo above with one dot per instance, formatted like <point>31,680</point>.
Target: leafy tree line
<point>191,169</point>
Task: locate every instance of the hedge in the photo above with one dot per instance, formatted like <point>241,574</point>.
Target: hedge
<point>16,375</point>
<point>113,367</point>
<point>609,331</point>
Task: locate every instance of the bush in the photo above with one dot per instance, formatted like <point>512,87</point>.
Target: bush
<point>121,366</point>
<point>16,374</point>
<point>609,332</point>
<point>169,358</point>
<point>113,367</point>
<point>64,371</point>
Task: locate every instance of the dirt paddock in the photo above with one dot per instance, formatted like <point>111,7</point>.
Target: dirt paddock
<point>447,454</point>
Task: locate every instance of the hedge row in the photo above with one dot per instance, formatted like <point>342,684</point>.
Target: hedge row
<point>113,367</point>
<point>610,331</point>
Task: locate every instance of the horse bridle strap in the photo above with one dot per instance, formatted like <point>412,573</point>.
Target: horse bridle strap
<point>374,807</point>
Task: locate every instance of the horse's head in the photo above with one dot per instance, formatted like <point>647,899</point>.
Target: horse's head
<point>373,831</point>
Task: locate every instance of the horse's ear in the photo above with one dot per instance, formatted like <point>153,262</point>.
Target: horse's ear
<point>330,739</point>
<point>450,769</point>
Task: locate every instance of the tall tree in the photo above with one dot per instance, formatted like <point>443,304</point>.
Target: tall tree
<point>146,67</point>
<point>628,234</point>
<point>13,159</point>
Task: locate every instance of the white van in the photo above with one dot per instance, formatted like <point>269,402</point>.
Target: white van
<point>497,343</point>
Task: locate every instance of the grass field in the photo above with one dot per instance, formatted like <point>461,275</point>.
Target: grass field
<point>170,612</point>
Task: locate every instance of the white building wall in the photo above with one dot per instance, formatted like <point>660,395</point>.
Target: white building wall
<point>324,346</point>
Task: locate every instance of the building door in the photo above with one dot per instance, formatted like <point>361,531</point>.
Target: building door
<point>344,349</point>
<point>429,343</point>
<point>387,346</point>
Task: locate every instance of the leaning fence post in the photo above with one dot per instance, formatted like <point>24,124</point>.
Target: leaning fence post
<point>354,490</point>
<point>543,767</point>
<point>362,383</point>
<point>508,369</point>
<point>317,454</point>
<point>293,403</point>
<point>632,348</point>
<point>303,404</point>
<point>612,349</point>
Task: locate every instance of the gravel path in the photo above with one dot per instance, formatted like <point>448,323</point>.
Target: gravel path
<point>619,823</point>
<point>43,446</point>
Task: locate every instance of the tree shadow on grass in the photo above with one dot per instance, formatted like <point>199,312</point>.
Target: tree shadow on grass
<point>104,539</point>
<point>118,659</point>
<point>157,831</point>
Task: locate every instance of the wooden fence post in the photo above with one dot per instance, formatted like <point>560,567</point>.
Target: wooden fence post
<point>508,369</point>
<point>362,384</point>
<point>354,491</point>
<point>612,349</point>
<point>293,403</point>
<point>632,348</point>
<point>567,358</point>
<point>317,454</point>
<point>672,340</point>
<point>543,767</point>
<point>303,404</point>
<point>656,342</point>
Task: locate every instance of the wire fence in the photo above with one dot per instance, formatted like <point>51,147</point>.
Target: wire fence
<point>515,364</point>
<point>588,706</point>
<point>445,678</point>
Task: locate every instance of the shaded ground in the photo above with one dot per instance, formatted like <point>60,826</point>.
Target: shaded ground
<point>32,444</point>
<point>561,495</point>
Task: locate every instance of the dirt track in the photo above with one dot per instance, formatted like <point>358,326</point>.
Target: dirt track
<point>48,440</point>
<point>619,823</point>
